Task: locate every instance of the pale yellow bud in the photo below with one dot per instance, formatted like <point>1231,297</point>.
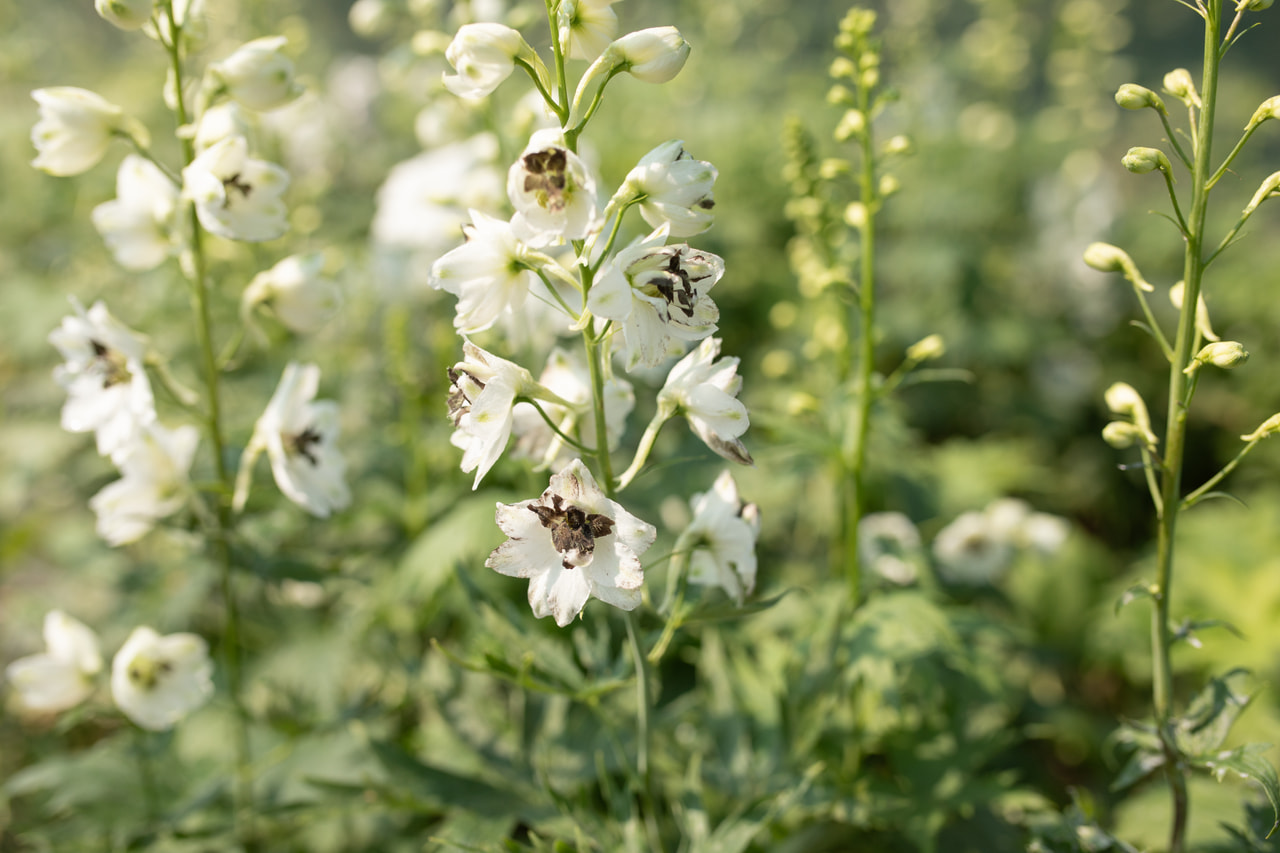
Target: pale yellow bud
<point>1178,83</point>
<point>852,123</point>
<point>1266,429</point>
<point>927,349</point>
<point>1221,354</point>
<point>1121,434</point>
<point>1265,191</point>
<point>1105,257</point>
<point>855,215</point>
<point>1131,96</point>
<point>1143,160</point>
<point>1268,109</point>
<point>899,144</point>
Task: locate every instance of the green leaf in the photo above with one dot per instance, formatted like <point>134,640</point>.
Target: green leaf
<point>1209,717</point>
<point>1247,763</point>
<point>729,612</point>
<point>441,789</point>
<point>1140,765</point>
<point>1139,590</point>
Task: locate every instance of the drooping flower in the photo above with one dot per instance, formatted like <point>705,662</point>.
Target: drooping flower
<point>889,544</point>
<point>295,292</point>
<point>299,435</point>
<point>552,191</point>
<point>154,483</point>
<point>236,196</point>
<point>258,74</point>
<point>569,378</point>
<point>706,392</point>
<point>157,680</point>
<point>125,14</point>
<point>572,543</point>
<point>673,188</point>
<point>483,390</point>
<point>655,55</point>
<point>659,296</point>
<point>722,538</point>
<point>74,129</point>
<point>107,388</point>
<point>139,225</point>
<point>484,55</point>
<point>586,27</point>
<point>62,676</point>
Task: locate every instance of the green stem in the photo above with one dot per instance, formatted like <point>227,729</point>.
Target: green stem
<point>1198,495</point>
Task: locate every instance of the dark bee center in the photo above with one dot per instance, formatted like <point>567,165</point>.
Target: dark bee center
<point>303,444</point>
<point>110,364</point>
<point>573,531</point>
<point>236,183</point>
<point>546,176</point>
<point>459,402</point>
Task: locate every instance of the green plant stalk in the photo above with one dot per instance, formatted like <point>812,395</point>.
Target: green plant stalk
<point>242,809</point>
<point>1180,388</point>
<point>854,456</point>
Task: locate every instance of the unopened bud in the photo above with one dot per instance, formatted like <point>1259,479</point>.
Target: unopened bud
<point>832,168</point>
<point>1131,96</point>
<point>896,145</point>
<point>1265,191</point>
<point>852,123</point>
<point>1266,429</point>
<point>655,55</point>
<point>889,184</point>
<point>855,215</point>
<point>1258,5</point>
<point>927,349</point>
<point>1105,257</point>
<point>1202,311</point>
<point>1222,354</point>
<point>1268,109</point>
<point>842,66</point>
<point>839,95</point>
<point>125,14</point>
<point>1178,83</point>
<point>1121,434</point>
<point>1122,399</point>
<point>1143,160</point>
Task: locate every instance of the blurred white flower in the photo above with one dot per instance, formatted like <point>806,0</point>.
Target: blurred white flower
<point>484,55</point>
<point>673,188</point>
<point>156,681</point>
<point>125,14</point>
<point>295,292</point>
<point>299,435</point>
<point>236,196</point>
<point>1017,523</point>
<point>655,55</point>
<point>971,550</point>
<point>62,676</point>
<point>722,537</point>
<point>221,121</point>
<point>567,376</point>
<point>139,225</point>
<point>74,129</point>
<point>258,74</point>
<point>572,543</point>
<point>483,390</point>
<point>889,544</point>
<point>658,295</point>
<point>552,191</point>
<point>706,391</point>
<point>107,388</point>
<point>586,27</point>
<point>153,483</point>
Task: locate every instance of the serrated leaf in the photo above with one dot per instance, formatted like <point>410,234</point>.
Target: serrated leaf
<point>1209,717</point>
<point>1247,763</point>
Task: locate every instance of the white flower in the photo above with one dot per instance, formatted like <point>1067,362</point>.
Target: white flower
<point>107,388</point>
<point>586,27</point>
<point>484,55</point>
<point>569,378</point>
<point>1014,521</point>
<point>220,121</point>
<point>154,483</point>
<point>483,390</point>
<point>722,537</point>
<point>490,273</point>
<point>706,391</point>
<point>673,188</point>
<point>971,551</point>
<point>552,191</point>
<point>61,677</point>
<point>295,292</point>
<point>655,55</point>
<point>125,14</point>
<point>236,196</point>
<point>156,681</point>
<point>258,74</point>
<point>299,435</point>
<point>658,294</point>
<point>889,544</point>
<point>572,543</point>
<point>139,224</point>
<point>74,129</point>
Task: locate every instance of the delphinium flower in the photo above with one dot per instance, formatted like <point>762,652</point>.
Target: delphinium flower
<point>889,544</point>
<point>62,676</point>
<point>722,538</point>
<point>586,27</point>
<point>299,435</point>
<point>705,390</point>
<point>658,294</point>
<point>552,190</point>
<point>295,293</point>
<point>573,543</point>
<point>258,74</point>
<point>74,129</point>
<point>125,14</point>
<point>654,55</point>
<point>237,196</point>
<point>671,188</point>
<point>154,483</point>
<point>158,680</point>
<point>107,387</point>
<point>484,55</point>
<point>971,550</point>
<point>139,225</point>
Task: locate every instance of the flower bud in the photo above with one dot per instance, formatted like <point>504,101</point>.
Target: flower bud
<point>1105,257</point>
<point>1143,160</point>
<point>1265,191</point>
<point>855,215</point>
<point>1222,354</point>
<point>889,184</point>
<point>1131,96</point>
<point>1266,429</point>
<point>484,55</point>
<point>655,55</point>
<point>842,66</point>
<point>1121,434</point>
<point>125,14</point>
<point>927,349</point>
<point>1122,399</point>
<point>897,145</point>
<point>1202,311</point>
<point>1258,5</point>
<point>839,95</point>
<point>852,123</point>
<point>1179,84</point>
<point>258,74</point>
<point>1270,108</point>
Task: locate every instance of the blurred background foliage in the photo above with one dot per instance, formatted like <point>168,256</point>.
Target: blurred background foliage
<point>973,713</point>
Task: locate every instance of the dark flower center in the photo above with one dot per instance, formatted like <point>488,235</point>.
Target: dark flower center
<point>573,531</point>
<point>303,444</point>
<point>545,175</point>
<point>110,364</point>
<point>459,402</point>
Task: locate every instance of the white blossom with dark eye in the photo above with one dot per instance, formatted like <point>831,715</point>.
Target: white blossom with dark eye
<point>482,392</point>
<point>236,196</point>
<point>552,191</point>
<point>573,543</point>
<point>722,539</point>
<point>673,188</point>
<point>156,681</point>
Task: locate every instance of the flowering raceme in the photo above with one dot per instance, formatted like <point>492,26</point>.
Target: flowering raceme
<point>573,543</point>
